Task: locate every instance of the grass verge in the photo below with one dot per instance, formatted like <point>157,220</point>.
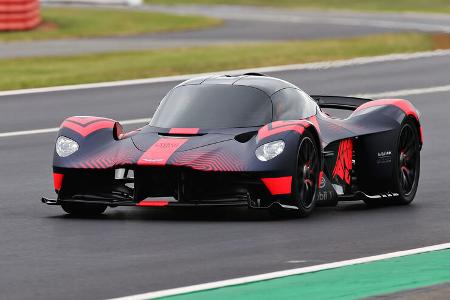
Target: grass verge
<point>433,6</point>
<point>87,22</point>
<point>52,71</point>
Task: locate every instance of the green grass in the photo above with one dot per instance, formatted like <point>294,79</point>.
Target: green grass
<point>435,6</point>
<point>51,71</point>
<point>84,22</point>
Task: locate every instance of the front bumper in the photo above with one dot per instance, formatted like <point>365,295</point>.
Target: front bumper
<point>185,186</point>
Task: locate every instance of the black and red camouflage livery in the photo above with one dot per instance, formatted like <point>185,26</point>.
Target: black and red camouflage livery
<point>212,142</point>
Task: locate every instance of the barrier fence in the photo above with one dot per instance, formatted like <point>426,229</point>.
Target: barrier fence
<point>19,14</point>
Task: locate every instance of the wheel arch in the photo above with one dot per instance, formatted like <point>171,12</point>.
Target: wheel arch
<point>418,127</point>
<point>315,133</point>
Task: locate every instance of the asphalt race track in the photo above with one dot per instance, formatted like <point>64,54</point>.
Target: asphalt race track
<point>231,32</point>
<point>45,254</point>
<point>241,25</point>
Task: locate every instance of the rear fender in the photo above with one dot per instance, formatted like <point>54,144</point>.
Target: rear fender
<point>375,152</point>
<point>404,105</point>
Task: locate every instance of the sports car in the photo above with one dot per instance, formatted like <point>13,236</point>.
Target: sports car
<point>249,140</point>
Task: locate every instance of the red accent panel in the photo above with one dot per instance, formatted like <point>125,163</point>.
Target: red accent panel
<point>319,182</point>
<point>421,135</point>
<point>57,181</point>
<point>87,125</point>
<point>343,165</point>
<point>152,203</point>
<point>404,105</point>
<point>278,185</point>
<point>160,152</point>
<point>282,126</point>
<point>184,130</point>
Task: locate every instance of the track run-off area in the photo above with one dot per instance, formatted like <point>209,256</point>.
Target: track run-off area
<point>358,278</point>
<point>128,251</point>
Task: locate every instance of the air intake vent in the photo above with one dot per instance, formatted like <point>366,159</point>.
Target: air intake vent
<point>245,137</point>
<point>254,74</point>
<point>180,134</point>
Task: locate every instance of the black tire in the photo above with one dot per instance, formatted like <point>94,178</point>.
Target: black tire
<point>305,180</point>
<point>406,170</point>
<point>83,209</point>
<point>407,163</point>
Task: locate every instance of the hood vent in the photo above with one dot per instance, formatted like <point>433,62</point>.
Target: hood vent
<point>245,137</point>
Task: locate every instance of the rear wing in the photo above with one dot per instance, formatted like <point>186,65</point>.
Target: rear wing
<point>339,102</point>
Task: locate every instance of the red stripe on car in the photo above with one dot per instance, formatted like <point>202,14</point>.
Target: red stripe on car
<point>282,126</point>
<point>160,152</point>
<point>152,203</point>
<point>184,131</point>
<point>57,181</point>
<point>278,185</point>
<point>319,182</point>
<point>404,105</point>
<point>88,129</point>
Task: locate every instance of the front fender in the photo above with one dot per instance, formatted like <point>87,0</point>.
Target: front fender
<point>102,144</point>
<point>290,132</point>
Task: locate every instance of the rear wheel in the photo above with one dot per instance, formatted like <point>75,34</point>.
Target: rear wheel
<point>83,209</point>
<point>407,164</point>
<point>406,170</point>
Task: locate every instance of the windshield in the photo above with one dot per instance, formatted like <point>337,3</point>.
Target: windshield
<point>213,106</point>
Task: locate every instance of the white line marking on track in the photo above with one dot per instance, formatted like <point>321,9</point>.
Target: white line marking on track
<point>308,66</point>
<point>55,129</point>
<point>295,261</point>
<point>279,274</point>
<point>429,90</point>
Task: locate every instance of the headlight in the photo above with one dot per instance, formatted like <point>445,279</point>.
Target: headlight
<point>65,146</point>
<point>270,150</point>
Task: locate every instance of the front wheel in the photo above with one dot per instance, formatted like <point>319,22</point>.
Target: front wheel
<point>305,181</point>
<point>83,209</point>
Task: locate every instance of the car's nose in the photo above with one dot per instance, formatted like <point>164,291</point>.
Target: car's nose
<point>144,141</point>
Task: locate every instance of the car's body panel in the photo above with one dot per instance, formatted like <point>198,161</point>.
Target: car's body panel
<point>201,166</point>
